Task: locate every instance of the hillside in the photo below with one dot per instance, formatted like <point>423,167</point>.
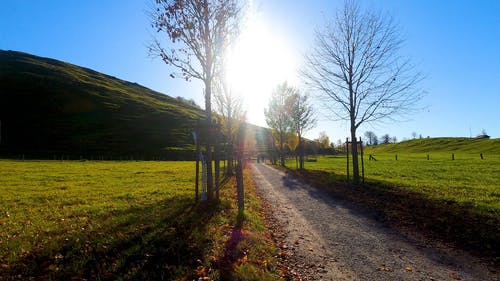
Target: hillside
<point>49,108</point>
<point>464,145</point>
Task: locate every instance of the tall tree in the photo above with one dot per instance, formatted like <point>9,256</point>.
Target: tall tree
<point>302,119</point>
<point>198,31</point>
<point>357,71</point>
<point>278,116</point>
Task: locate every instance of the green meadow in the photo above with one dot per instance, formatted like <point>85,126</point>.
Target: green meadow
<point>61,220</point>
<point>467,179</point>
<point>457,200</point>
<point>65,218</point>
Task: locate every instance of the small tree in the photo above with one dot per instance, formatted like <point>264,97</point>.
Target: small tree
<point>357,72</point>
<point>199,31</point>
<point>277,116</point>
<point>372,138</point>
<point>323,140</point>
<point>302,119</point>
<point>385,139</point>
<point>230,108</point>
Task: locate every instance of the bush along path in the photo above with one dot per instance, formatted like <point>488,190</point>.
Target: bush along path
<point>325,238</point>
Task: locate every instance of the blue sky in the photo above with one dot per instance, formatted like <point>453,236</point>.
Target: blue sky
<point>455,43</point>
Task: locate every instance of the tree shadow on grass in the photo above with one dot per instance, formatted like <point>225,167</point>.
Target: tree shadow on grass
<point>148,242</point>
<point>450,221</point>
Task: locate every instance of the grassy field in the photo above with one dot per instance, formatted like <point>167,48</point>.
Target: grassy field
<point>467,180</point>
<point>123,221</point>
<point>456,200</point>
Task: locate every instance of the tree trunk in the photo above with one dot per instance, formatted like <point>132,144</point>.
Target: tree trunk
<point>217,160</point>
<point>208,99</point>
<point>354,150</point>
<point>198,151</point>
<point>230,150</point>
<point>208,110</point>
<point>230,153</point>
<point>301,154</point>
<point>239,170</point>
<point>282,156</point>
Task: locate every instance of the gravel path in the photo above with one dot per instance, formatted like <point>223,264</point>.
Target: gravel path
<point>328,239</point>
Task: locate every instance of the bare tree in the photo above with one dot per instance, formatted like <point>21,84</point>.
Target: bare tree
<point>278,117</point>
<point>372,138</point>
<point>302,119</point>
<point>356,70</point>
<point>198,31</point>
<point>385,139</point>
<point>230,107</point>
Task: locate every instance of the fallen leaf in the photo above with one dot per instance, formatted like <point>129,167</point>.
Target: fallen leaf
<point>408,268</point>
<point>454,276</point>
<point>202,271</point>
<point>385,268</point>
<point>243,260</point>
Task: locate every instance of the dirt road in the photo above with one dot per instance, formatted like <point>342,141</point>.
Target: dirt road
<point>328,239</point>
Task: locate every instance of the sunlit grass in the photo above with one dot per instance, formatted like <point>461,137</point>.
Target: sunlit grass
<point>467,179</point>
<point>124,221</point>
<point>457,200</point>
<point>62,218</point>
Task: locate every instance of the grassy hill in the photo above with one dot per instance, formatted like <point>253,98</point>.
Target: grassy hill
<point>463,145</point>
<point>49,107</point>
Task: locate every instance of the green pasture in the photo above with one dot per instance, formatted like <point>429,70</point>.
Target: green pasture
<point>109,220</point>
<point>455,200</point>
<point>467,179</point>
<point>93,218</point>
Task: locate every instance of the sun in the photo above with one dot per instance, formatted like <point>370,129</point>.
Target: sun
<point>257,63</point>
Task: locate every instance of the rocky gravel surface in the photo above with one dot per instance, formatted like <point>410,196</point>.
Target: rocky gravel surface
<point>322,238</point>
